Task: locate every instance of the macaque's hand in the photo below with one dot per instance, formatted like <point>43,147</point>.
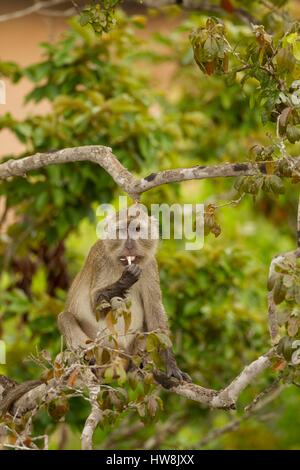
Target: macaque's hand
<point>129,276</point>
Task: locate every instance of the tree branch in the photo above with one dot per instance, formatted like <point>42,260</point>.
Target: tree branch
<point>95,153</point>
<point>44,8</point>
<point>223,170</point>
<point>248,375</point>
<point>92,420</point>
<point>261,400</point>
<point>224,399</point>
<point>104,157</point>
<point>35,8</point>
<point>204,6</point>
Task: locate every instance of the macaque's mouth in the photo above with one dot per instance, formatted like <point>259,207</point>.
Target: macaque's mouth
<point>128,260</point>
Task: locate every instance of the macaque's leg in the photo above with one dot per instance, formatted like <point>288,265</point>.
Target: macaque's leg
<point>172,369</point>
<point>129,277</point>
<point>156,319</point>
<point>72,331</point>
<point>138,348</point>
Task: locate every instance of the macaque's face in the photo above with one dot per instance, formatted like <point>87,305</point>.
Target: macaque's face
<point>131,238</point>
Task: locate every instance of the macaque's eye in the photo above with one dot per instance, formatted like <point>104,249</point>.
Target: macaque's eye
<point>138,229</point>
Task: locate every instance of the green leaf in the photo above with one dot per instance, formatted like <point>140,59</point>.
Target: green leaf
<point>37,72</point>
<point>85,18</point>
<point>296,49</point>
<point>109,374</point>
<point>23,131</point>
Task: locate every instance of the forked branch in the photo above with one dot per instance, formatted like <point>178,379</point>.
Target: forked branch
<point>133,186</point>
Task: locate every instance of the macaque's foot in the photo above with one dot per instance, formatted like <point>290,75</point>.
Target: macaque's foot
<point>170,381</point>
<point>174,371</point>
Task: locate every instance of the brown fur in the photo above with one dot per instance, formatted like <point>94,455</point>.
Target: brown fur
<point>103,276</point>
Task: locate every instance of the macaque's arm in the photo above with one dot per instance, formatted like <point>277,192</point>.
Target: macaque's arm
<point>68,324</point>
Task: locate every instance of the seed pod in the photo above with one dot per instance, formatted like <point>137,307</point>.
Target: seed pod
<point>285,347</point>
<point>284,168</point>
<point>58,408</point>
<point>293,134</point>
<point>285,59</point>
<point>283,120</point>
<point>293,326</point>
<point>276,185</point>
<point>271,281</point>
<point>279,291</point>
<point>238,184</point>
<point>210,47</point>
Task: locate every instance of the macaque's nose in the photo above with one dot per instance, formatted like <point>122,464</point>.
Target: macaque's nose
<point>129,247</point>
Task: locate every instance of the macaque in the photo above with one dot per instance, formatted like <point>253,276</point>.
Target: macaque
<point>122,264</point>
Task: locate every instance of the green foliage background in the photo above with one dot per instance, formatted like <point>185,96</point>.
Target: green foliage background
<point>101,91</point>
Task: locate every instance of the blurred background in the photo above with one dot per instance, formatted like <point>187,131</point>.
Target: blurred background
<point>138,90</point>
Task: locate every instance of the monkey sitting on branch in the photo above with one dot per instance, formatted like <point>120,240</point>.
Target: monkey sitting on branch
<point>122,264</point>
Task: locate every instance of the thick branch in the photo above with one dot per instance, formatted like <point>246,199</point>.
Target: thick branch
<point>104,157</point>
<point>92,421</point>
<point>226,398</point>
<point>95,153</point>
<point>246,377</point>
<point>199,172</point>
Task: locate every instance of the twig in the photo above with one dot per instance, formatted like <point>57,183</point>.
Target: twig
<point>35,8</point>
<point>298,224</point>
<point>204,6</point>
<point>261,400</point>
<point>123,432</point>
<point>162,431</point>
